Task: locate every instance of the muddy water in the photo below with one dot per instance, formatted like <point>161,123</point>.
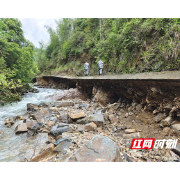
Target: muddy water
<point>10,143</point>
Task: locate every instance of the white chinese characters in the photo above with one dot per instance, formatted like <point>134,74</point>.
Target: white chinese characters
<point>170,143</point>
<point>147,143</point>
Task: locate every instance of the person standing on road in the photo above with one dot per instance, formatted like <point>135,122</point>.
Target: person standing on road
<point>100,66</point>
<point>86,68</point>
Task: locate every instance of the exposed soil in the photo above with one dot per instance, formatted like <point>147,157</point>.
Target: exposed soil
<point>144,123</point>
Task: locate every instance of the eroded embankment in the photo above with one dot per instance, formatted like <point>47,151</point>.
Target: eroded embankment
<point>154,95</point>
<point>158,99</point>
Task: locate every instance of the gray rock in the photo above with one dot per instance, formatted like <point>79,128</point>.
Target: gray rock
<point>126,115</point>
<point>61,140</point>
<point>31,132</point>
<point>32,124</point>
<point>176,126</point>
<point>98,119</point>
<point>167,121</point>
<point>62,145</point>
<point>54,119</point>
<point>98,149</point>
<point>122,127</point>
<point>64,103</point>
<point>130,113</point>
<point>138,107</point>
<point>129,131</point>
<point>98,112</point>
<point>82,121</point>
<point>21,128</point>
<point>34,90</point>
<point>42,104</point>
<point>76,106</point>
<point>159,117</point>
<point>90,127</point>
<point>80,128</point>
<point>59,129</point>
<point>177,150</point>
<point>63,117</point>
<point>115,106</point>
<point>84,105</point>
<point>32,147</point>
<point>132,135</point>
<point>32,107</point>
<point>155,111</point>
<point>173,157</point>
<point>42,116</point>
<point>128,159</point>
<point>118,134</point>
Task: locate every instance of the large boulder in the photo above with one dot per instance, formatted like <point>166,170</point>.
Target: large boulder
<point>99,148</point>
<point>59,129</point>
<point>44,153</point>
<point>33,146</point>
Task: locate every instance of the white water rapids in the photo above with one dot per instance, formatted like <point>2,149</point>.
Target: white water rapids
<point>10,143</point>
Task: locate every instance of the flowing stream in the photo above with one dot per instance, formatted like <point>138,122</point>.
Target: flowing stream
<point>10,143</point>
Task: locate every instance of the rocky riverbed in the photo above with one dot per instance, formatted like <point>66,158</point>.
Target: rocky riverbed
<point>73,128</point>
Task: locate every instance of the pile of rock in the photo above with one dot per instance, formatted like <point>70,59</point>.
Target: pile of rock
<point>84,131</point>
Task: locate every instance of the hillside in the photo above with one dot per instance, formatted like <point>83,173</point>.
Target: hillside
<point>126,45</point>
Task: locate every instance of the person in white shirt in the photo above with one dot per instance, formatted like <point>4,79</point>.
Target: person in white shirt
<point>86,68</point>
<point>100,66</point>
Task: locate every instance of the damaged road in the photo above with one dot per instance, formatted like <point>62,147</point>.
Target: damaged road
<point>95,119</point>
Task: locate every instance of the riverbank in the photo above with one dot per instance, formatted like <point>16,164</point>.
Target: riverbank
<point>76,128</point>
<point>14,93</point>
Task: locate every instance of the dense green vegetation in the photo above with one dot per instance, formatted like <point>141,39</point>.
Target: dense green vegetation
<point>17,64</point>
<point>125,45</point>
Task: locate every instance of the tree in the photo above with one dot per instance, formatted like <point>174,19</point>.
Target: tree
<point>17,64</point>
